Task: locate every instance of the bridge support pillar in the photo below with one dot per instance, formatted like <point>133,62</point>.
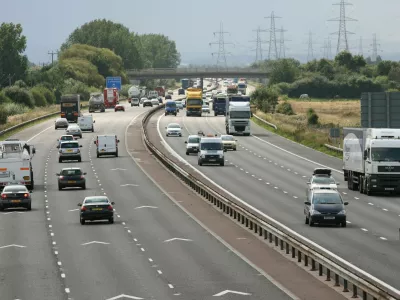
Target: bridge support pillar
<point>201,83</point>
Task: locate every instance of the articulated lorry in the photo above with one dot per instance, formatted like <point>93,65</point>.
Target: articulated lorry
<point>242,87</point>
<point>371,159</point>
<point>237,120</point>
<point>194,101</point>
<point>232,89</point>
<point>16,163</point>
<point>111,97</point>
<point>71,107</point>
<point>96,102</point>
<point>219,104</point>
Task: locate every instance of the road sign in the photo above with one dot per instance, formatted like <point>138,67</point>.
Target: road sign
<point>113,82</point>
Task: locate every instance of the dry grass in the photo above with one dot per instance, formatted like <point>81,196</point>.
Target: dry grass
<point>331,114</point>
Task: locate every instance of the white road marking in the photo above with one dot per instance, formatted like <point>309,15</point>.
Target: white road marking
<point>95,242</point>
<point>223,293</point>
<point>39,133</point>
<point>348,222</point>
<point>363,229</point>
<point>170,286</point>
<point>159,272</point>
<point>384,209</point>
<point>178,239</point>
<point>62,275</point>
<point>142,249</point>
<point>295,197</point>
<point>12,245</point>
<point>139,207</point>
<point>75,209</point>
<point>356,198</point>
<point>67,290</point>
<point>383,238</point>
<point>370,203</point>
<point>129,184</point>
<point>150,260</point>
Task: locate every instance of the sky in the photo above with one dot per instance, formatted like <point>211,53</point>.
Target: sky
<point>47,24</point>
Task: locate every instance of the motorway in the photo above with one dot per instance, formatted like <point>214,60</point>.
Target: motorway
<point>270,173</point>
<point>47,254</point>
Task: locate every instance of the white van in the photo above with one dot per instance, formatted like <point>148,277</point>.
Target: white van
<point>135,102</point>
<point>211,151</point>
<point>107,145</point>
<point>86,123</point>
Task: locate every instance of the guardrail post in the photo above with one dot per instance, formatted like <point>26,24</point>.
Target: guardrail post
<point>337,280</point>
<point>313,268</point>
<point>355,294</point>
<point>287,248</point>
<point>270,237</point>
<point>328,275</point>
<point>320,269</point>
<point>281,244</point>
<point>365,296</point>
<point>276,241</point>
<point>306,260</point>
<point>293,252</point>
<point>298,256</point>
<point>345,286</point>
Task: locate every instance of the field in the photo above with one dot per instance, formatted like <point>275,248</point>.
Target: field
<point>337,113</point>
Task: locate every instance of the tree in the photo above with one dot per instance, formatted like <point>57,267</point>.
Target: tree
<point>284,70</point>
<point>12,46</point>
<point>394,73</point>
<point>345,59</point>
<point>384,67</point>
<point>110,35</point>
<point>91,65</point>
<point>158,51</point>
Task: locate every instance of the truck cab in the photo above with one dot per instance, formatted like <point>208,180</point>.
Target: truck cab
<point>237,120</point>
<point>219,104</point>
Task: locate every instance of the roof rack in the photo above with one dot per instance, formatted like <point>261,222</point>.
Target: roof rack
<point>321,171</point>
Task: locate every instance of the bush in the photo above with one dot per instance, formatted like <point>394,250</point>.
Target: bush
<point>21,84</point>
<point>3,116</point>
<point>312,117</point>
<point>4,99</point>
<point>20,95</point>
<point>72,86</point>
<point>124,90</point>
<point>15,109</point>
<point>47,93</point>
<point>37,94</point>
<point>285,108</point>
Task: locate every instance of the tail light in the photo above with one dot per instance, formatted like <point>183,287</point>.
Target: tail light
<point>83,208</point>
<point>82,177</point>
<point>110,207</point>
<point>78,151</point>
<point>61,177</point>
<point>26,195</point>
<point>3,196</point>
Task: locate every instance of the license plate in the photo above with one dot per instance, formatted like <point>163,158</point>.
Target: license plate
<point>389,189</point>
<point>69,150</point>
<point>72,181</point>
<point>213,160</point>
<point>329,218</point>
<point>97,209</point>
<point>102,150</point>
<point>15,201</point>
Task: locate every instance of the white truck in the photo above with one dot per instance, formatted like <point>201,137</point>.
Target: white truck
<point>371,159</point>
<point>152,95</point>
<point>136,92</point>
<point>16,163</point>
<point>237,119</point>
<point>86,123</point>
<point>242,87</point>
<point>96,102</point>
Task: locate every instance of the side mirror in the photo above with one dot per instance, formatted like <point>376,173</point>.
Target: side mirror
<point>112,203</point>
<point>80,146</point>
<point>58,147</point>
<point>84,173</point>
<point>33,150</point>
<point>94,142</point>
<point>185,142</point>
<point>117,141</point>
<point>79,204</point>
<point>346,203</point>
<point>94,121</point>
<point>307,203</point>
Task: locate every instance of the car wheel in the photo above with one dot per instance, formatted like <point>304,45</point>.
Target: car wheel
<point>60,160</point>
<point>84,187</point>
<point>80,136</point>
<point>98,155</point>
<point>79,159</point>
<point>55,128</point>
<point>310,222</point>
<point>92,129</point>
<point>344,224</point>
<point>307,220</point>
<point>187,153</point>
<point>222,164</point>
<point>116,154</point>
<point>29,207</point>
<point>111,220</point>
<point>82,221</point>
<point>59,187</point>
<point>200,163</point>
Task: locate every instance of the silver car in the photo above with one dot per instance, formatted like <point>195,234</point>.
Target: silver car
<point>192,144</point>
<point>61,123</point>
<point>74,130</point>
<point>205,109</point>
<point>173,129</point>
<point>69,150</point>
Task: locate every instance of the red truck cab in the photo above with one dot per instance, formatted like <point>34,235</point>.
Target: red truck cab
<point>111,97</point>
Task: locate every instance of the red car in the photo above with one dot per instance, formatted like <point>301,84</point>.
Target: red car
<point>119,107</point>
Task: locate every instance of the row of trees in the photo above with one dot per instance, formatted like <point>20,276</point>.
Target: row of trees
<point>346,76</point>
<point>92,52</point>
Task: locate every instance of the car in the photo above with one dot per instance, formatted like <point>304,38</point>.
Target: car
<point>119,107</point>
<point>170,108</point>
<point>135,102</point>
<point>208,95</point>
<point>229,142</point>
<point>181,92</point>
<point>160,101</point>
<point>96,208</point>
<point>209,85</point>
<point>69,150</point>
<point>205,109</point>
<point>61,123</point>
<point>183,103</point>
<point>173,129</point>
<point>15,196</point>
<point>154,101</point>
<point>211,151</point>
<point>143,99</point>
<point>74,130</point>
<point>168,97</point>
<point>65,138</point>
<point>179,104</point>
<point>322,179</point>
<point>192,144</point>
<point>325,207</point>
<point>71,177</point>
<point>170,92</point>
<point>147,102</point>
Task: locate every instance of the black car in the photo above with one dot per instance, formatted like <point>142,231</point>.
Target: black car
<point>15,196</point>
<point>181,92</point>
<point>168,97</point>
<point>325,207</point>
<point>71,177</point>
<point>159,100</point>
<point>96,208</point>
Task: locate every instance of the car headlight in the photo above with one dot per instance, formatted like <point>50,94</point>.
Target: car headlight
<point>314,212</point>
<point>373,180</point>
<point>343,212</point>
<point>221,156</point>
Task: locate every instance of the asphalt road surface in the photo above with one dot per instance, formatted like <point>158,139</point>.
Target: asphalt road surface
<point>153,251</point>
<point>270,173</point>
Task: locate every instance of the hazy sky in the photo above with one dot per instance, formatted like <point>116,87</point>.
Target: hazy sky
<point>47,23</point>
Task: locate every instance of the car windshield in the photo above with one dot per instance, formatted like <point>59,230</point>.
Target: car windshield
<point>15,189</point>
<point>385,154</point>
<point>71,172</point>
<point>67,138</point>
<point>170,104</point>
<point>227,138</point>
<point>96,200</point>
<point>205,106</point>
<point>323,180</point>
<point>330,198</point>
<point>69,145</point>
<point>174,126</point>
<point>211,146</point>
<point>240,114</point>
<point>194,140</point>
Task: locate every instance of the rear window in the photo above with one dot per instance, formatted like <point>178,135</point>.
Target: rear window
<point>67,138</point>
<point>71,172</point>
<point>96,200</point>
<point>170,104</point>
<point>327,198</point>
<point>15,189</point>
<point>69,145</point>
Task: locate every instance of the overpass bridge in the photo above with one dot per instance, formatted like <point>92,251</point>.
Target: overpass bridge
<point>201,72</point>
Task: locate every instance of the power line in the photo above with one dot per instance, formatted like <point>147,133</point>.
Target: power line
<point>52,53</point>
<point>343,43</point>
<point>221,58</point>
<point>273,50</point>
<point>310,55</point>
<point>259,42</point>
<point>282,47</point>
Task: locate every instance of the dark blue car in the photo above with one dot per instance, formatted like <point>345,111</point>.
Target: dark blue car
<point>170,108</point>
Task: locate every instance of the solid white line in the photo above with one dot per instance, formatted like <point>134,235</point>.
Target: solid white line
<point>36,135</point>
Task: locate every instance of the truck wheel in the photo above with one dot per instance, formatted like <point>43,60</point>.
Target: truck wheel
<point>310,222</point>
<point>215,114</point>
<point>79,159</point>
<point>60,160</point>
<point>307,220</point>
<point>222,164</point>
<point>92,129</point>
<point>187,153</point>
<point>116,154</point>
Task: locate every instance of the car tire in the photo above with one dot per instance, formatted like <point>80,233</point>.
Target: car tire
<point>79,159</point>
<point>92,129</point>
<point>55,128</point>
<point>82,221</point>
<point>187,153</point>
<point>111,220</point>
<point>234,149</point>
<point>84,187</point>
<point>306,220</point>
<point>80,136</point>
<point>98,155</point>
<point>60,187</point>
<point>344,224</point>
<point>200,163</point>
<point>222,164</point>
<point>29,207</point>
<point>60,160</point>
<point>310,222</point>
